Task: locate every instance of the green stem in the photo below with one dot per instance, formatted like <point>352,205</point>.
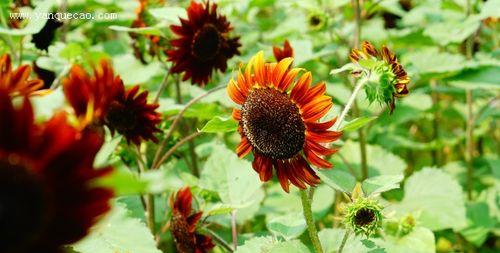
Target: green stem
<point>344,240</point>
<point>361,83</point>
<point>218,239</point>
<point>469,142</point>
<point>308,215</point>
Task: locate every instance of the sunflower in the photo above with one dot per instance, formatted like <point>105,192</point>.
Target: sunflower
<point>281,54</point>
<point>364,216</point>
<point>183,224</point>
<point>17,82</point>
<point>203,45</point>
<point>102,100</point>
<point>47,199</point>
<point>393,79</point>
<point>278,121</point>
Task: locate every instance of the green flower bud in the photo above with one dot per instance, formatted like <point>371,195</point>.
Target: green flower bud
<point>364,216</point>
<point>317,20</point>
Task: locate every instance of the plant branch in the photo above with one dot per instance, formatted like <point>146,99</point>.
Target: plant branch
<point>218,239</point>
<point>175,147</point>
<point>234,229</point>
<point>308,215</point>
<point>361,83</point>
<point>176,121</point>
<point>344,240</point>
<point>163,85</point>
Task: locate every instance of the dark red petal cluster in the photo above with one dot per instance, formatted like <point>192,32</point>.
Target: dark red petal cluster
<point>17,81</point>
<point>101,99</point>
<point>46,171</point>
<point>282,53</point>
<point>203,44</point>
<point>183,224</point>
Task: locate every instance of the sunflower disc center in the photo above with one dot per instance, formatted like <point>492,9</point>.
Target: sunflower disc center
<point>273,124</point>
<point>23,208</point>
<point>364,217</point>
<point>206,43</point>
<point>120,118</point>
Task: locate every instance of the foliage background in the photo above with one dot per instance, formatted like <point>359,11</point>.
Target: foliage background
<point>417,158</point>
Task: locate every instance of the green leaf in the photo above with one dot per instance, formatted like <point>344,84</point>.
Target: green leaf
<point>289,226</point>
<point>232,178</point>
<point>331,239</point>
<point>270,245</point>
<point>220,125</point>
<point>347,67</point>
<point>338,180</point>
<point>453,31</point>
<point>289,246</point>
<point>480,78</point>
<point>142,30</point>
<point>107,149</point>
<point>357,123</point>
<point>123,182</point>
<point>379,184</point>
<point>480,223</point>
<point>435,198</point>
<point>432,63</point>
<point>36,22</point>
<point>420,240</point>
<point>118,232</point>
<point>71,51</point>
<point>170,14</point>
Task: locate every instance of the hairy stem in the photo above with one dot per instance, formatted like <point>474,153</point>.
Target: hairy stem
<point>219,240</point>
<point>177,120</point>
<point>350,103</point>
<point>234,229</point>
<point>344,240</point>
<point>175,147</point>
<point>308,215</point>
<point>163,85</point>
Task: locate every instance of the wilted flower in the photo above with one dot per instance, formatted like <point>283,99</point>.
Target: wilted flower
<point>183,224</point>
<point>102,100</point>
<point>204,44</point>
<point>364,216</point>
<point>47,198</point>
<point>286,52</point>
<point>44,37</point>
<point>17,82</point>
<point>278,121</point>
<point>388,79</point>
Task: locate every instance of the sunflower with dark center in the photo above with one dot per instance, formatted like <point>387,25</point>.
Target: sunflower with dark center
<point>203,45</point>
<point>317,20</point>
<point>278,121</point>
<point>364,216</point>
<point>391,78</point>
<point>282,53</point>
<point>17,81</point>
<point>101,99</point>
<point>183,224</point>
<point>47,198</point>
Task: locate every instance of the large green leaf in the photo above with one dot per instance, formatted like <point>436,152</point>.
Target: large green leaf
<point>331,239</point>
<point>289,226</point>
<point>453,31</point>
<point>480,223</point>
<point>118,232</point>
<point>430,62</point>
<point>378,184</point>
<point>232,178</point>
<point>338,180</point>
<point>484,77</point>
<point>420,240</point>
<point>270,245</point>
<point>219,125</point>
<point>435,198</point>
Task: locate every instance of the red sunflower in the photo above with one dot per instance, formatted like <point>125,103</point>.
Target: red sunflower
<point>281,54</point>
<point>47,199</point>
<point>102,100</point>
<point>17,82</point>
<point>278,121</point>
<point>203,45</point>
<point>183,224</point>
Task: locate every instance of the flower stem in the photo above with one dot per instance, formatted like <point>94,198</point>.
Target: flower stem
<point>163,85</point>
<point>308,215</point>
<point>344,240</point>
<point>469,142</point>
<point>233,229</point>
<point>218,239</point>
<point>361,83</point>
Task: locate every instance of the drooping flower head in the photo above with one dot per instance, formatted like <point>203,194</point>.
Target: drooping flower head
<point>18,82</point>
<point>101,99</point>
<point>390,80</point>
<point>203,45</point>
<point>47,199</point>
<point>364,216</point>
<point>279,121</point>
<point>183,224</point>
<point>280,54</point>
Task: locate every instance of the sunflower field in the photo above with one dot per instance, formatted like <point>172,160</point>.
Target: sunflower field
<point>249,126</point>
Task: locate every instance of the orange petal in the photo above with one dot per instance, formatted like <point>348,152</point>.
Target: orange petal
<point>234,93</point>
<point>301,87</point>
<point>243,148</point>
<point>316,160</point>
